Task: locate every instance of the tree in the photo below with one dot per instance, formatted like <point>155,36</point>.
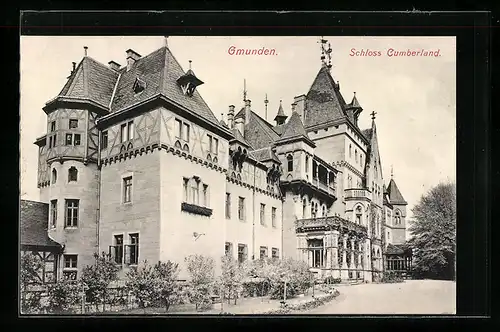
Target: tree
<point>433,230</point>
<point>166,283</point>
<point>30,266</point>
<point>231,278</point>
<point>202,276</point>
<point>143,284</point>
<point>96,278</point>
<point>63,296</point>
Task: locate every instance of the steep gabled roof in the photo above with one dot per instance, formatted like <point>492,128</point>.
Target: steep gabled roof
<point>368,134</point>
<point>160,70</point>
<point>34,217</point>
<point>264,154</point>
<point>295,129</point>
<point>324,102</point>
<point>91,80</point>
<point>394,194</point>
<point>258,132</point>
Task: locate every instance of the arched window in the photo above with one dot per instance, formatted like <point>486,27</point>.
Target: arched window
<point>361,159</point>
<point>350,151</point>
<point>375,170</point>
<point>397,217</point>
<point>54,176</point>
<point>356,155</point>
<point>316,209</point>
<point>195,190</point>
<point>324,211</point>
<point>304,203</point>
<point>72,174</point>
<point>290,162</point>
<point>307,164</point>
<point>359,213</point>
<point>313,214</point>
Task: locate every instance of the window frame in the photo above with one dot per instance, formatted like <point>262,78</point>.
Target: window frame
<point>53,213</point>
<point>289,159</point>
<point>133,248</point>
<point>243,252</point>
<point>127,187</point>
<point>72,174</point>
<point>262,214</point>
<point>70,121</point>
<point>263,249</point>
<point>273,216</point>
<point>104,139</point>
<point>71,270</point>
<point>241,209</point>
<point>68,208</point>
<point>228,206</point>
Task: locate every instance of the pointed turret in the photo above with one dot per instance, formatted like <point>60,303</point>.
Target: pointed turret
<point>280,117</point>
<point>353,110</point>
<point>294,130</point>
<point>395,195</point>
<point>189,81</point>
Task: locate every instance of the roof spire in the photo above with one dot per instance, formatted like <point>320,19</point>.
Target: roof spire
<point>265,103</point>
<point>373,115</point>
<point>85,48</point>
<point>190,64</point>
<point>165,41</point>
<point>326,53</point>
<point>392,172</point>
<point>244,89</point>
<point>280,117</point>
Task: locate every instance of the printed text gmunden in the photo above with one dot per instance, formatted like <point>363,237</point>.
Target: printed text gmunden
<point>391,52</point>
<point>233,50</point>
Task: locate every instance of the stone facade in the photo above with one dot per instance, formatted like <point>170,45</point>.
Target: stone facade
<point>160,178</point>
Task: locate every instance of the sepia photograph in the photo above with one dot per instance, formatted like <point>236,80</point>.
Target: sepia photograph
<point>278,175</point>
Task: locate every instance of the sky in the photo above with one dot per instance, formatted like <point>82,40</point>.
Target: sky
<point>413,97</point>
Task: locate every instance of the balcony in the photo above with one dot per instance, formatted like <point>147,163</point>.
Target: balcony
<point>357,194</point>
<point>328,223</point>
<point>329,188</point>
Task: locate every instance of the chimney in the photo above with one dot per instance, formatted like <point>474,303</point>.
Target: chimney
<point>239,124</point>
<point>293,107</point>
<point>247,110</point>
<point>230,117</point>
<point>114,65</point>
<point>132,57</point>
<point>300,105</point>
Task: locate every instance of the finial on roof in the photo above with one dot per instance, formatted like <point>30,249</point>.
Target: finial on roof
<point>392,172</point>
<point>74,65</point>
<point>190,64</point>
<point>244,89</point>
<point>373,115</point>
<point>326,53</point>
<point>165,41</point>
<point>85,48</point>
<point>222,116</point>
<point>265,103</point>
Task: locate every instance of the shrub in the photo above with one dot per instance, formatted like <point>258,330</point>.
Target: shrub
<point>231,280</point>
<point>391,277</point>
<point>166,286</point>
<point>332,280</point>
<point>96,279</point>
<point>63,296</point>
<point>202,277</point>
<point>142,284</point>
<point>30,266</point>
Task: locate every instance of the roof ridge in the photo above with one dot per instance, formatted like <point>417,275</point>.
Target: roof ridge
<point>101,64</point>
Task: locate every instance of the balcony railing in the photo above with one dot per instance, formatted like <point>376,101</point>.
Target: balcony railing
<point>328,188</point>
<point>330,222</point>
<point>356,193</point>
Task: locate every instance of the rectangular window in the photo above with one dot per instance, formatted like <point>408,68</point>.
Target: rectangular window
<point>275,253</point>
<point>73,123</point>
<point>185,182</point>
<point>134,249</point>
<point>316,256</point>
<point>228,205</point>
<point>123,133</point>
<point>263,252</point>
<point>262,214</point>
<point>195,192</point>
<point>72,212</point>
<point>69,139</point>
<point>70,267</point>
<point>178,128</point>
<point>52,126</point>
<point>216,146</point>
<point>242,253</point>
<point>130,131</point>
<point>273,216</point>
<point>118,249</point>
<point>77,139</point>
<point>205,195</point>
<point>127,189</point>
<point>53,213</point>
<point>54,140</point>
<point>185,132</point>
<point>50,142</point>
<point>104,139</point>
<point>210,143</point>
<point>241,208</point>
<point>228,249</point>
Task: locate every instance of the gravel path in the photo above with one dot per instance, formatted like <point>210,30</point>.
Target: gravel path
<point>421,297</point>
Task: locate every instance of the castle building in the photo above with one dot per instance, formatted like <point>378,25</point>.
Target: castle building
<point>135,164</point>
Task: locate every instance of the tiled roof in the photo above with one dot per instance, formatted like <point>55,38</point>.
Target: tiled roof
<point>324,102</point>
<point>354,103</point>
<point>394,193</point>
<point>367,133</point>
<point>91,80</point>
<point>393,249</point>
<point>264,154</point>
<point>238,137</point>
<point>34,217</point>
<point>294,127</point>
<point>258,132</point>
<point>279,129</point>
<point>160,70</point>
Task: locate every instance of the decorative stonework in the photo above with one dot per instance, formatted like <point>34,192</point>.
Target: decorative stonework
<point>196,209</point>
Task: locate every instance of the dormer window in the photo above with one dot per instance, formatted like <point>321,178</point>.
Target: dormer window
<point>139,85</point>
<point>188,82</point>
